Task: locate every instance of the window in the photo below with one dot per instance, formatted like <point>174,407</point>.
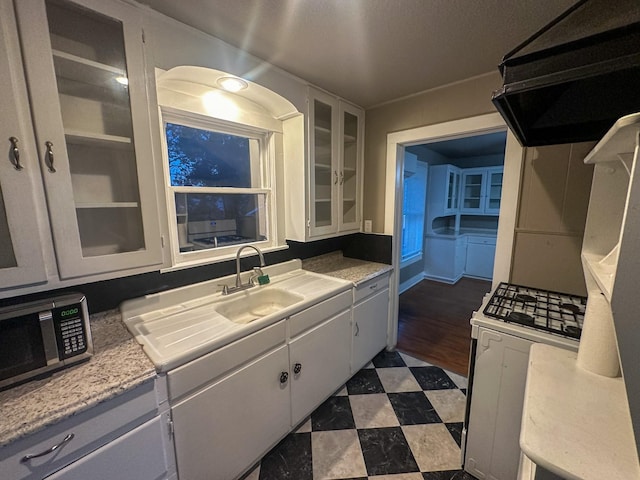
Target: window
<point>413,206</point>
<point>218,186</point>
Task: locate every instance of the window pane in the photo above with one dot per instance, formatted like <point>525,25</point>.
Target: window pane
<point>211,159</point>
<point>212,220</point>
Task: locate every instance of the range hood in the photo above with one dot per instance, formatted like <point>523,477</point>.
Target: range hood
<point>575,77</point>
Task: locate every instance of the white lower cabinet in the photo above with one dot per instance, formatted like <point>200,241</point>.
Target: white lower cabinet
<point>138,454</point>
<point>481,252</point>
<point>319,364</point>
<point>370,321</point>
<point>124,437</point>
<point>223,429</point>
<point>445,257</point>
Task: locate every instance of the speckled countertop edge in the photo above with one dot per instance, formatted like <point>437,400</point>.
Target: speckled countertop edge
<point>335,264</point>
<point>118,365</point>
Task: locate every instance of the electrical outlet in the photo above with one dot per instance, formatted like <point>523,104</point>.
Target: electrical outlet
<point>368,225</point>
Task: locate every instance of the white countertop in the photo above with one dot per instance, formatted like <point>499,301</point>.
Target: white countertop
<point>576,424</point>
<point>179,325</point>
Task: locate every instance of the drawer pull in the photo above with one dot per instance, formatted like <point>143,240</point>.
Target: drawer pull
<point>284,376</point>
<point>29,456</point>
<point>49,156</point>
<point>297,368</point>
<point>373,287</point>
<point>357,330</point>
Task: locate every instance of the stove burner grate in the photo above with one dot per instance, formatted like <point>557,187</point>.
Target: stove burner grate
<point>554,312</point>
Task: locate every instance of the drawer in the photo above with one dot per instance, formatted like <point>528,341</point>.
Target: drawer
<point>370,287</point>
<point>91,429</point>
<point>481,240</point>
<point>207,368</point>
<point>319,312</point>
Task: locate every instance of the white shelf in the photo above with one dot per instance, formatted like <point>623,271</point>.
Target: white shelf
<point>96,139</point>
<point>81,69</point>
<point>322,130</point>
<point>323,200</point>
<point>576,424</point>
<point>620,139</point>
<point>322,166</point>
<point>603,269</point>
<point>93,205</point>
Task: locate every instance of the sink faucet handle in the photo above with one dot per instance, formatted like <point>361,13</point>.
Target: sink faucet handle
<point>225,289</point>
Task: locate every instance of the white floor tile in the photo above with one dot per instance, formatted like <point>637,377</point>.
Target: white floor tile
<point>398,379</point>
<point>433,447</point>
<point>449,404</point>
<point>336,454</point>
<point>373,411</point>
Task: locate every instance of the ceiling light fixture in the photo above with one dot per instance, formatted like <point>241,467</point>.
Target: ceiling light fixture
<point>232,84</point>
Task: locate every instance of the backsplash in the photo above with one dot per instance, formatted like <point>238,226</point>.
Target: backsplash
<point>109,294</point>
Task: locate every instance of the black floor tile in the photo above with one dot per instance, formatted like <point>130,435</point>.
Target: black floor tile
<point>334,414</point>
<point>365,381</point>
<point>290,459</point>
<point>413,408</point>
<point>464,390</point>
<point>432,378</point>
<point>388,359</point>
<point>448,475</point>
<point>386,451</point>
<point>455,429</point>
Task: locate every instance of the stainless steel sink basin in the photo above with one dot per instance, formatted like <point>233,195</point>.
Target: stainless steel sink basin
<point>253,304</point>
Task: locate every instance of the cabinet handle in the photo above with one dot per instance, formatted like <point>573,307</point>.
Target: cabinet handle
<point>29,456</point>
<point>335,177</point>
<point>297,368</point>
<point>373,287</point>
<point>284,376</point>
<point>341,178</point>
<point>49,156</point>
<point>357,330</point>
<point>15,152</point>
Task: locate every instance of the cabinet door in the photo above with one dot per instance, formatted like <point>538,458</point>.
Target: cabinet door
<point>319,364</point>
<point>351,128</point>
<point>480,259</point>
<point>323,159</point>
<point>453,187</point>
<point>85,71</point>
<point>370,320</point>
<point>138,454</point>
<point>21,258</point>
<point>493,191</point>
<point>472,191</point>
<point>223,429</point>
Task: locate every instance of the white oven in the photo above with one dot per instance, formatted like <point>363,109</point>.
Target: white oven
<point>509,321</point>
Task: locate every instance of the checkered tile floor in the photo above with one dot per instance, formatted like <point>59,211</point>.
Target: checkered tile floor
<point>396,419</point>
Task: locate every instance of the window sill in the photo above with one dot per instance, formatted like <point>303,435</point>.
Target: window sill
<point>411,260</point>
<point>218,259</point>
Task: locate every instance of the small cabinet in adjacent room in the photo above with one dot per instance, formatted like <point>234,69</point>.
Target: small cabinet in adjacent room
<point>481,252</point>
<point>481,191</point>
<point>445,257</point>
<point>443,190</point>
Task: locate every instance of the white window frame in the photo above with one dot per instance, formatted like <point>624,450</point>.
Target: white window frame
<point>267,172</point>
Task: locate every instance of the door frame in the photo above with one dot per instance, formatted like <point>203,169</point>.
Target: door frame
<point>513,159</point>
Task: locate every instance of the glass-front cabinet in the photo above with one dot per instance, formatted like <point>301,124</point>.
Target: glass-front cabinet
<point>481,190</point>
<point>335,159</point>
<point>453,188</point>
<point>21,259</point>
<point>85,73</point>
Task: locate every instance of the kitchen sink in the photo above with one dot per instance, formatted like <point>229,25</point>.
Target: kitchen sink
<point>253,304</point>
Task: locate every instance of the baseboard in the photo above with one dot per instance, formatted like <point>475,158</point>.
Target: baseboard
<point>448,280</point>
<point>407,284</point>
<point>477,277</point>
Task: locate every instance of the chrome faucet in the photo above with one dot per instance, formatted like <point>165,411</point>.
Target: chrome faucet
<point>257,272</point>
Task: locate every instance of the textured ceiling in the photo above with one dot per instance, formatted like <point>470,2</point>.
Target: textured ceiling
<point>371,51</point>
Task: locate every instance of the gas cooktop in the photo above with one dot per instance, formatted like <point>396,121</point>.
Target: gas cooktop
<point>555,312</point>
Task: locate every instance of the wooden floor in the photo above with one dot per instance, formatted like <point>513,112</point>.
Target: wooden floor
<point>433,321</point>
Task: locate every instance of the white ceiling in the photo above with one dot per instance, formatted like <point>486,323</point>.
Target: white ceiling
<point>371,51</point>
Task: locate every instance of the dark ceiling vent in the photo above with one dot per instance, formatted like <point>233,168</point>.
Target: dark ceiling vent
<point>574,78</point>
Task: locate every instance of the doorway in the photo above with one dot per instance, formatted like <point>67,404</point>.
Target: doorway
<point>397,145</point>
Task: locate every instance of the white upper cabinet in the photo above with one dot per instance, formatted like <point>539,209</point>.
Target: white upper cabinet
<point>481,190</point>
<point>332,188</point>
<point>444,190</point>
<point>85,74</point>
<point>21,258</point>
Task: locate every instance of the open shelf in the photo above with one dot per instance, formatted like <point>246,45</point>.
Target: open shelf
<point>620,139</point>
<point>603,269</point>
<point>78,68</point>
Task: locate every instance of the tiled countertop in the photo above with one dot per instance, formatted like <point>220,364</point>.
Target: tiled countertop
<point>335,264</point>
<point>118,365</point>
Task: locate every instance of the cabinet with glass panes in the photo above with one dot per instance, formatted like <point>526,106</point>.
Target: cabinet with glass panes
<point>85,74</point>
<point>335,131</point>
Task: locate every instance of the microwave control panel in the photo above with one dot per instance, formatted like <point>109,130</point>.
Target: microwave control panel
<point>71,334</point>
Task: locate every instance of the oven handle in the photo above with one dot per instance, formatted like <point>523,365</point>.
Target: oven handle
<point>29,456</point>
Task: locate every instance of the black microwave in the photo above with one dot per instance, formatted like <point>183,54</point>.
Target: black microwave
<point>42,336</point>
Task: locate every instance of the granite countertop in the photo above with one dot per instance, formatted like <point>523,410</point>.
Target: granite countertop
<point>335,264</point>
<point>117,365</point>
